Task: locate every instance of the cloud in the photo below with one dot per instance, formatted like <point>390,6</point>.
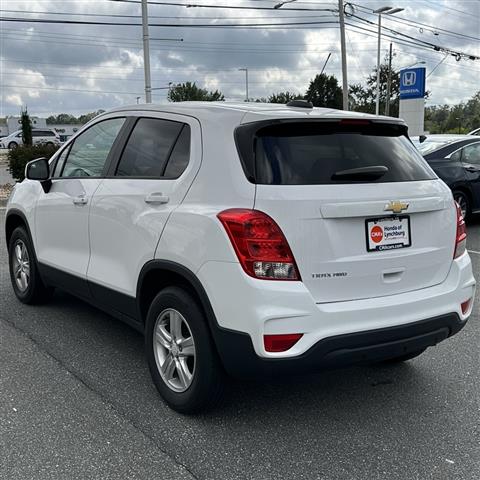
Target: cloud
<point>79,68</point>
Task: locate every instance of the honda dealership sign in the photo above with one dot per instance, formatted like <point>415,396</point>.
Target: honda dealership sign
<point>412,83</point>
<point>412,101</point>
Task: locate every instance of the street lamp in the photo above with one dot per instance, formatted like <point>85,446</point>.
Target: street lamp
<point>246,81</point>
<point>381,11</point>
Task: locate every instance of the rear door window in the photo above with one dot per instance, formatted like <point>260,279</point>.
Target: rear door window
<point>315,153</point>
<point>149,148</point>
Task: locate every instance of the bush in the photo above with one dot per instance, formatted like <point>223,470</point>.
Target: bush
<point>20,156</point>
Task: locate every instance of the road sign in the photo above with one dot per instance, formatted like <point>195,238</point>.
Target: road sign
<point>412,83</point>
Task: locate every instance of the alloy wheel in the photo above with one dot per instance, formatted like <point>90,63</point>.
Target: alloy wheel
<point>174,349</point>
<point>462,202</point>
<point>21,265</point>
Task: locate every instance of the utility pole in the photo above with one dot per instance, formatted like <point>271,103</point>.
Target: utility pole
<point>341,15</point>
<point>246,81</point>
<point>389,81</point>
<point>146,53</point>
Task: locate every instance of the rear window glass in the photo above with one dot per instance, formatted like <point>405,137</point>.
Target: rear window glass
<point>430,146</point>
<point>315,153</point>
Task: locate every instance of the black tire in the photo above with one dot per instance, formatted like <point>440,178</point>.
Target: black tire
<point>206,388</point>
<point>35,292</point>
<point>50,144</point>
<point>462,199</point>
<point>406,357</point>
<point>12,145</point>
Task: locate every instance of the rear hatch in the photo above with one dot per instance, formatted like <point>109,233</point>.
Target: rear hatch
<point>364,215</point>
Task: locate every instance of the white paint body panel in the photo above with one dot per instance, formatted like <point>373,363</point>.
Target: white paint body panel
<point>61,227</point>
<point>328,236</point>
<point>123,226</point>
<point>116,233</point>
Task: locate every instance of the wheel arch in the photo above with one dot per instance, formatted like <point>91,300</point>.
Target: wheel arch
<point>158,274</point>
<point>15,218</point>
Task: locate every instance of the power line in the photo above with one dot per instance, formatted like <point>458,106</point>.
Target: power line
<point>186,25</point>
<point>419,42</point>
<point>416,24</point>
<point>171,17</point>
<point>229,7</point>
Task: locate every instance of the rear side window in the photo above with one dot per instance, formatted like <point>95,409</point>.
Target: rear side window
<point>319,153</point>
<point>149,147</point>
<point>180,156</point>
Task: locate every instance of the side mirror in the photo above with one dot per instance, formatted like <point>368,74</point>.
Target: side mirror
<point>39,170</point>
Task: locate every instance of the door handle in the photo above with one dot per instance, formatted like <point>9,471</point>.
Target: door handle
<point>157,198</point>
<point>472,169</point>
<point>80,200</point>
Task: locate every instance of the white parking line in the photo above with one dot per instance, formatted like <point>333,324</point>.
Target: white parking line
<point>473,251</point>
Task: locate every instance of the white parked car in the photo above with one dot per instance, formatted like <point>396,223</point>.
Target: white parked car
<point>39,136</point>
<point>250,239</point>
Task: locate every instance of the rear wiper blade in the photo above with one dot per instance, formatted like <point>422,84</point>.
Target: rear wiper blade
<point>361,173</point>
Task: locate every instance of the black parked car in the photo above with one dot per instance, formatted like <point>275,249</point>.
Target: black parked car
<point>456,160</point>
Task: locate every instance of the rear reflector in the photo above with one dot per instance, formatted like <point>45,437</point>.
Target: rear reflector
<point>461,237</point>
<point>281,343</point>
<point>466,306</point>
<point>260,245</point>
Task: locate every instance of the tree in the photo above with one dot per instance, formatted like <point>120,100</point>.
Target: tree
<point>454,118</point>
<point>89,116</point>
<point>363,97</point>
<point>26,127</point>
<point>284,97</point>
<point>324,91</point>
<point>67,119</point>
<point>188,91</point>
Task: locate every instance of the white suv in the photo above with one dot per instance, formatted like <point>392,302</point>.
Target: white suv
<point>44,136</point>
<point>246,238</point>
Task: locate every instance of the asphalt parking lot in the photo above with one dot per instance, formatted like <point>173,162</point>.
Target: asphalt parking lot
<point>76,401</point>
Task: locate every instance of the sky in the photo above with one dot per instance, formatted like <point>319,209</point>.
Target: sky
<point>79,68</point>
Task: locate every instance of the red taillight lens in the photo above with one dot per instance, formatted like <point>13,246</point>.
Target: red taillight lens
<point>260,245</point>
<point>461,238</point>
<point>281,343</point>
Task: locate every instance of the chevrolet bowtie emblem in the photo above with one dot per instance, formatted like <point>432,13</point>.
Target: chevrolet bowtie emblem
<point>396,207</point>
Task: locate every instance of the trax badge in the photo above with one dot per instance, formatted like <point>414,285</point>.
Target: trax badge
<point>396,207</point>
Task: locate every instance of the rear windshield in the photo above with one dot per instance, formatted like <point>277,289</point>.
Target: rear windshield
<point>319,153</point>
<point>432,145</point>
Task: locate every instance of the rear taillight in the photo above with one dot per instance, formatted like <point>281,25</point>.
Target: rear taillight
<point>260,245</point>
<point>461,237</point>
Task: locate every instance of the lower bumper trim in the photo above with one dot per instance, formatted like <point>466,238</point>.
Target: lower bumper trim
<point>239,357</point>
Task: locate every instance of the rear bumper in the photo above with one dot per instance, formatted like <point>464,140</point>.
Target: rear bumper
<point>239,357</point>
<point>244,305</point>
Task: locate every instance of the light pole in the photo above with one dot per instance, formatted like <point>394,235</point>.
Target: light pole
<point>381,11</point>
<point>343,47</point>
<point>246,82</point>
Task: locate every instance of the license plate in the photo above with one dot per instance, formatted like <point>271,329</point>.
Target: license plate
<point>388,233</point>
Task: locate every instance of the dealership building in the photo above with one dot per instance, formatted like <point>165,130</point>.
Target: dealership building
<point>12,124</point>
